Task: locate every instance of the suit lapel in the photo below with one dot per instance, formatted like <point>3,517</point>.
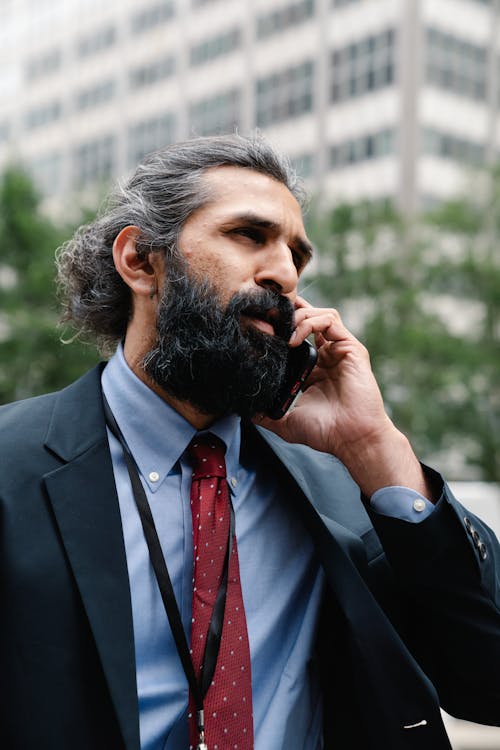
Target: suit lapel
<point>83,497</point>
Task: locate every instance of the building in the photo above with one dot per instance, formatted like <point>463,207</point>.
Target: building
<point>371,98</point>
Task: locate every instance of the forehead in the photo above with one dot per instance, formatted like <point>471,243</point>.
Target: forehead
<point>239,189</point>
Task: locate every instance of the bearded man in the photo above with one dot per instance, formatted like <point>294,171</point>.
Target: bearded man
<point>178,569</point>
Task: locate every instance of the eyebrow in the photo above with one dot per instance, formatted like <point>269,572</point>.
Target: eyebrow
<point>252,219</point>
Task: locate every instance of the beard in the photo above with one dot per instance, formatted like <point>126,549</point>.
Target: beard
<point>204,355</point>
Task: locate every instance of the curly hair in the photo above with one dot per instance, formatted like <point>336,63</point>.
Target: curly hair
<point>165,189</point>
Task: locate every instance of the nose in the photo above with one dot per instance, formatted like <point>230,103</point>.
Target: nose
<point>277,270</point>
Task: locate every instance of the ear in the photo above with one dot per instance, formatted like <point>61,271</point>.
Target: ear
<point>142,272</point>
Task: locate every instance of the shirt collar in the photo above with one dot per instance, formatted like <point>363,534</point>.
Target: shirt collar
<point>156,434</point>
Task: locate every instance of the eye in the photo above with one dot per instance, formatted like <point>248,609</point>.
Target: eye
<point>256,235</point>
<point>298,259</point>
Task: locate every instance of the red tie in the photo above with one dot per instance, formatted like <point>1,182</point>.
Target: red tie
<point>228,702</point>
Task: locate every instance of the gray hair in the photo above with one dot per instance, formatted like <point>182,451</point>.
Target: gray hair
<point>165,189</point>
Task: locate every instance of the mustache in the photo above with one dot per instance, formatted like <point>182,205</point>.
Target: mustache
<point>267,305</point>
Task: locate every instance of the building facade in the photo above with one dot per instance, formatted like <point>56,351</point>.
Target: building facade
<point>370,98</point>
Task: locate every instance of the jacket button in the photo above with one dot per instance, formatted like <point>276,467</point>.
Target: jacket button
<point>468,524</point>
<point>483,552</point>
<point>476,537</point>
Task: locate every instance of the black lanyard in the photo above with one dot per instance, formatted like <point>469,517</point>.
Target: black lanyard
<point>200,687</point>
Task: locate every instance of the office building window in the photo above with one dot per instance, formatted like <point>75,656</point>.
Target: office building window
<point>286,94</point>
<point>283,18</point>
<point>216,114</point>
<point>216,46</point>
<point>363,66</point>
<point>304,164</point>
<point>95,96</point>
<point>94,161</point>
<point>456,65</point>
<point>43,65</point>
<point>152,72</point>
<point>4,131</point>
<point>365,148</point>
<point>99,41</point>
<point>150,135</point>
<point>39,117</point>
<point>448,146</point>
<point>46,171</point>
<point>201,3</point>
<point>152,16</point>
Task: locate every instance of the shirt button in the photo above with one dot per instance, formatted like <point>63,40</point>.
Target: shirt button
<point>153,476</point>
<point>233,481</point>
<point>419,505</point>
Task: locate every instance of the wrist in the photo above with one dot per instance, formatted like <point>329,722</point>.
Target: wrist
<point>385,459</point>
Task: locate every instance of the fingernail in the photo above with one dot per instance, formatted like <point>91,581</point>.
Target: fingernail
<point>293,336</point>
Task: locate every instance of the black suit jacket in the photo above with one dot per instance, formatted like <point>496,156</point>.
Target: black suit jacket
<point>411,610</point>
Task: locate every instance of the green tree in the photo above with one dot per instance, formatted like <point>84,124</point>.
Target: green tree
<point>32,358</point>
<point>403,287</point>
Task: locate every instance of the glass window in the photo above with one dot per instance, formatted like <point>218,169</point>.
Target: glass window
<point>98,41</point>
<point>284,18</point>
<point>43,65</point>
<point>150,135</point>
<point>216,46</point>
<point>216,114</point>
<point>94,161</point>
<point>304,165</point>
<point>286,94</point>
<point>44,115</point>
<point>448,146</point>
<point>46,171</point>
<point>367,147</point>
<point>152,72</point>
<point>152,16</point>
<point>4,131</point>
<point>363,66</point>
<point>456,65</point>
<point>95,96</point>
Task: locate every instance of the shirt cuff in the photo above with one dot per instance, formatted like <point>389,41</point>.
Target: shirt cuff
<point>401,503</point>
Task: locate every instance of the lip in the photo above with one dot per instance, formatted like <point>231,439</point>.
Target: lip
<point>261,325</point>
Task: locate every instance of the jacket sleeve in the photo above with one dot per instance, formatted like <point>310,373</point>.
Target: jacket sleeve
<point>448,574</point>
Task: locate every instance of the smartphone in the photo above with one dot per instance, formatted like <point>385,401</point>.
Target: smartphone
<point>301,360</point>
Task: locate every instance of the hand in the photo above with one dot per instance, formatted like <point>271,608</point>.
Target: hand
<point>341,410</point>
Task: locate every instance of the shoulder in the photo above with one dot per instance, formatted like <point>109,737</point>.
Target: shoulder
<point>25,419</point>
<point>25,425</point>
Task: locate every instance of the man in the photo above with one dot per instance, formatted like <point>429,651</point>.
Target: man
<point>353,593</point>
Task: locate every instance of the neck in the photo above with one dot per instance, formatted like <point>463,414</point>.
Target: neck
<point>191,414</point>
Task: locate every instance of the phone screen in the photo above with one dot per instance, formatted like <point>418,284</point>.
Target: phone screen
<point>301,360</point>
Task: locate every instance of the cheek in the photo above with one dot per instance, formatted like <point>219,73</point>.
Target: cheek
<point>227,277</point>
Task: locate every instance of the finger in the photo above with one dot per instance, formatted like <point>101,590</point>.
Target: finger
<point>308,311</point>
<point>325,325</point>
<point>300,302</point>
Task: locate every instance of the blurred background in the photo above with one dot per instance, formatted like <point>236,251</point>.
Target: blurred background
<point>389,110</point>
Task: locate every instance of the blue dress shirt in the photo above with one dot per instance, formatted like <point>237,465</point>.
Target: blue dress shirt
<point>282,582</point>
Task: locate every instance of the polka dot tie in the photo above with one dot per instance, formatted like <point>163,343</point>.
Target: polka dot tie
<point>228,702</point>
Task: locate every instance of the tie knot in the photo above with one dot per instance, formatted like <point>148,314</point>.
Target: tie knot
<point>207,455</point>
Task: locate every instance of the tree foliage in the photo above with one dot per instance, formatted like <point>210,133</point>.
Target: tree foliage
<point>32,357</point>
<point>424,297</point>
